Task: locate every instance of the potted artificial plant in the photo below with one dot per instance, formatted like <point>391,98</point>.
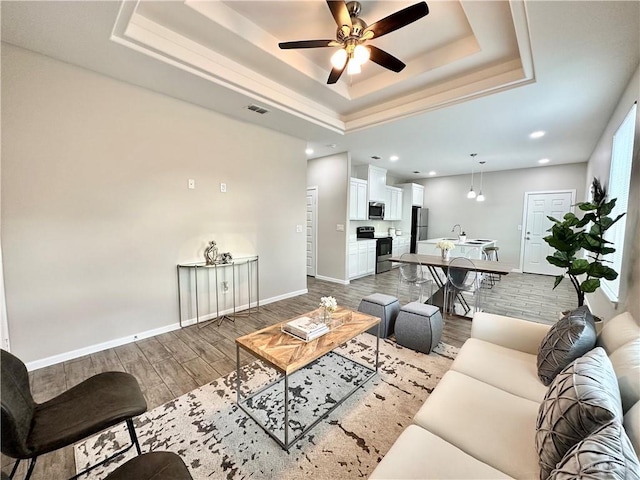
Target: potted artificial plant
<point>569,236</point>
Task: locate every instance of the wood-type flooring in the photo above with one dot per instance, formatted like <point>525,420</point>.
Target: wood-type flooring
<point>174,363</point>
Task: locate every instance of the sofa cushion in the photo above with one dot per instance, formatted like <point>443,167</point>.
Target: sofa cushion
<point>510,370</point>
<point>606,453</point>
<point>418,454</point>
<point>583,397</point>
<point>517,334</point>
<point>619,330</point>
<point>570,338</point>
<point>626,365</point>
<point>483,421</point>
<point>631,425</point>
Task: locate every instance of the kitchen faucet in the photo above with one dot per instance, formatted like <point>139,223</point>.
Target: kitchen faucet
<point>459,229</point>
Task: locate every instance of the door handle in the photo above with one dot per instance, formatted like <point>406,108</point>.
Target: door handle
<point>528,238</point>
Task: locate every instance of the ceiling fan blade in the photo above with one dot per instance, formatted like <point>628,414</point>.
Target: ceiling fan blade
<point>399,19</point>
<point>385,59</point>
<point>306,44</point>
<point>340,13</point>
<point>336,73</point>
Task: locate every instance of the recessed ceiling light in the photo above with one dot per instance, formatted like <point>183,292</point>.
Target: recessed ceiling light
<point>309,151</point>
<point>544,160</point>
<point>537,134</point>
<point>394,158</point>
<point>432,173</point>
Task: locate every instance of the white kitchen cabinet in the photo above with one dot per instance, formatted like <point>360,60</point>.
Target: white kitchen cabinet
<point>393,203</point>
<point>362,258</point>
<point>376,182</point>
<point>417,195</point>
<point>371,258</point>
<point>358,199</point>
<point>400,246</point>
<point>353,259</point>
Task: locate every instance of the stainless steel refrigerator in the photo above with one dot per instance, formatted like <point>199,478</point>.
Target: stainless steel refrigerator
<point>419,226</point>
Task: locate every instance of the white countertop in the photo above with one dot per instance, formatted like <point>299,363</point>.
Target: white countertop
<point>469,242</point>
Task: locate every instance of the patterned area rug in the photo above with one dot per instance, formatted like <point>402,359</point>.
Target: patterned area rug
<point>217,440</point>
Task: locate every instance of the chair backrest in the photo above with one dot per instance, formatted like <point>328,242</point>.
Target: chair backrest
<point>461,273</point>
<point>411,272</point>
<point>17,406</point>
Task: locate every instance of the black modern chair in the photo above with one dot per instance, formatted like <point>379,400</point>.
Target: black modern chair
<point>30,429</point>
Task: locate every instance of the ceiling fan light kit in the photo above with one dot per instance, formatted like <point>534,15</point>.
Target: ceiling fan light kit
<point>353,32</point>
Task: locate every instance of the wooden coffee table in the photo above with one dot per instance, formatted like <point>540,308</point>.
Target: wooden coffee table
<point>287,355</point>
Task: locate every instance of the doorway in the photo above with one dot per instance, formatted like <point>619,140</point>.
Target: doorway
<point>312,221</point>
<point>537,207</point>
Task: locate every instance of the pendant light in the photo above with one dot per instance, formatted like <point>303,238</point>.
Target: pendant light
<point>472,193</point>
<point>480,195</point>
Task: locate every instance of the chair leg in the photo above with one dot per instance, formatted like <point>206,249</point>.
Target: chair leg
<point>132,434</point>
<point>134,441</point>
<point>32,464</point>
<point>15,468</point>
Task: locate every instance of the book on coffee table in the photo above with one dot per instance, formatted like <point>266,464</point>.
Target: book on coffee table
<point>305,328</point>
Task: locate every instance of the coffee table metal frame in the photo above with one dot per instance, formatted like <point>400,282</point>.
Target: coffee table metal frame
<point>286,445</point>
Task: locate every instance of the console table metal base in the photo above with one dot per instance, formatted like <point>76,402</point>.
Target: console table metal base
<point>288,440</point>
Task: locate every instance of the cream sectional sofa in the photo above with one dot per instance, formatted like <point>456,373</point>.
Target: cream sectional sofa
<point>480,420</point>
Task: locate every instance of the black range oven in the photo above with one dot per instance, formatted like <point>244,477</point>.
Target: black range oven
<point>383,248</point>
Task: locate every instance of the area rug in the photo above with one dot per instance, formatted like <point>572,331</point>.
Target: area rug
<point>217,440</point>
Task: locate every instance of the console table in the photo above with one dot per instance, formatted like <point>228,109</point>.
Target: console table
<point>237,263</point>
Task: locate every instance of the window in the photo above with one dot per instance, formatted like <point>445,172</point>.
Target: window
<point>619,181</point>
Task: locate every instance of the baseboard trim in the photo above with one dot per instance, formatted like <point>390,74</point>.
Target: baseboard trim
<point>332,280</point>
<point>80,352</point>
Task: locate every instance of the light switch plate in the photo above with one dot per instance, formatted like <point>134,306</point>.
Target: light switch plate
<point>298,228</point>
<point>340,227</point>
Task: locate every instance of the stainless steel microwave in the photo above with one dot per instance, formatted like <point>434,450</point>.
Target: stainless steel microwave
<point>376,211</point>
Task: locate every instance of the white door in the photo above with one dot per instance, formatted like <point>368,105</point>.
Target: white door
<point>538,206</point>
<point>312,205</point>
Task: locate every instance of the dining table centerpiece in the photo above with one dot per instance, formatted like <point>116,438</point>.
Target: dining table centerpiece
<point>445,247</point>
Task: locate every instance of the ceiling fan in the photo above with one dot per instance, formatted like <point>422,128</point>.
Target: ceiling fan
<point>353,33</point>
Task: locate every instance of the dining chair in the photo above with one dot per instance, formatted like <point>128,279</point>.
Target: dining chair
<point>462,278</point>
<point>30,429</point>
<point>413,274</point>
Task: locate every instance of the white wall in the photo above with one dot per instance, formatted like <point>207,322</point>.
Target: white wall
<point>331,175</point>
<point>599,165</point>
<point>500,214</point>
<point>96,212</point>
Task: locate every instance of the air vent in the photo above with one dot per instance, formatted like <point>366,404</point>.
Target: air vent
<point>257,109</point>
<point>416,171</point>
<point>376,157</point>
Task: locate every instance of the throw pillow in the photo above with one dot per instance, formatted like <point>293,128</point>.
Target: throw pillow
<point>583,397</point>
<point>571,337</point>
<point>606,453</point>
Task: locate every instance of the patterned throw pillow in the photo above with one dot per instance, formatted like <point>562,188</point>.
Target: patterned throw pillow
<point>570,338</point>
<point>583,397</point>
<point>606,453</point>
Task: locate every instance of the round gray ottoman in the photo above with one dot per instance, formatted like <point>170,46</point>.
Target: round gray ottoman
<point>419,327</point>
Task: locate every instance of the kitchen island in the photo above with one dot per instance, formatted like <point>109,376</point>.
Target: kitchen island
<point>471,248</point>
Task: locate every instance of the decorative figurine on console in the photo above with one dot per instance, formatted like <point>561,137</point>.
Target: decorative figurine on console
<point>225,258</point>
<point>211,253</point>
